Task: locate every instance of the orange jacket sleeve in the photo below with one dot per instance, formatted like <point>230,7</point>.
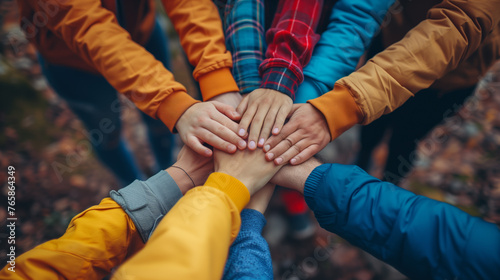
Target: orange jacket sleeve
<point>96,240</point>
<point>200,31</point>
<point>93,33</point>
<point>192,241</point>
<point>452,31</point>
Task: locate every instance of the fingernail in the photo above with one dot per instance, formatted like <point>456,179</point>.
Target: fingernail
<point>242,144</point>
<point>251,145</point>
<point>261,142</point>
<point>231,148</point>
<point>278,160</point>
<point>275,130</point>
<point>266,148</point>
<point>208,153</point>
<point>241,132</point>
<point>293,161</point>
<point>270,156</point>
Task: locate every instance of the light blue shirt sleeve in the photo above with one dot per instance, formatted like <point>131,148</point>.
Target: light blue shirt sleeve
<point>351,27</point>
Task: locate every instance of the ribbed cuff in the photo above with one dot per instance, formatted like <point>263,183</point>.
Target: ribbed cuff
<point>172,108</point>
<point>340,110</point>
<point>252,220</point>
<point>312,183</point>
<point>235,189</point>
<point>217,82</point>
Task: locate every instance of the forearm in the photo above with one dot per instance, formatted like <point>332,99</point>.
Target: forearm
<point>200,30</point>
<point>423,238</point>
<point>291,40</point>
<point>193,239</point>
<point>244,30</point>
<point>352,25</point>
<point>97,240</point>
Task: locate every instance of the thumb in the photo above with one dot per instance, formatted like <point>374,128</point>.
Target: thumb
<point>227,110</point>
<point>243,105</point>
<point>295,107</point>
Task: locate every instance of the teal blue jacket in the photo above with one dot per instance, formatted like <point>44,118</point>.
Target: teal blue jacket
<point>421,237</point>
<point>351,27</point>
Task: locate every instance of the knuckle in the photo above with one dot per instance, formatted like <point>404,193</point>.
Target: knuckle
<point>200,120</point>
<point>296,148</point>
<point>220,129</point>
<point>192,142</point>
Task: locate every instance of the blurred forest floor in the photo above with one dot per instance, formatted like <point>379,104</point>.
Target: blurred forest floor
<point>57,177</point>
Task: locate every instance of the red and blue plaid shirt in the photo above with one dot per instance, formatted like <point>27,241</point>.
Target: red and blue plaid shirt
<point>291,40</point>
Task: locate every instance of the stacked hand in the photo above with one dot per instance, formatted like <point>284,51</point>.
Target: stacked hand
<point>263,110</point>
<point>249,167</point>
<point>212,123</point>
<point>305,134</point>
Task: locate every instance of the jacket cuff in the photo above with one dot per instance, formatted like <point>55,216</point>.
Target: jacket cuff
<point>146,202</point>
<point>309,89</point>
<point>281,79</point>
<point>340,110</point>
<point>252,220</point>
<point>231,186</point>
<point>217,82</point>
<point>172,108</point>
<point>312,183</point>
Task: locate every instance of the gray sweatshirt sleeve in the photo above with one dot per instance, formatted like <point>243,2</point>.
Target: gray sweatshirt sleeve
<point>146,202</point>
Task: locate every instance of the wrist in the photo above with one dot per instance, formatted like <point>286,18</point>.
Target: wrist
<point>247,181</point>
<point>181,178</point>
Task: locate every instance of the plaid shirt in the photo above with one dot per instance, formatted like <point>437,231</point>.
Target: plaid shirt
<point>244,30</point>
<point>291,40</point>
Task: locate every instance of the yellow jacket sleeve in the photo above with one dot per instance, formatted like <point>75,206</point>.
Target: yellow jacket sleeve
<point>452,31</point>
<point>96,240</point>
<point>192,241</point>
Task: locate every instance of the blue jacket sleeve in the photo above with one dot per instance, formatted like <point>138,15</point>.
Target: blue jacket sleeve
<point>249,256</point>
<point>351,27</point>
<point>245,39</point>
<point>421,237</point>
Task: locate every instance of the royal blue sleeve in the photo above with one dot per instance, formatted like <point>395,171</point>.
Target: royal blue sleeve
<point>249,255</point>
<point>421,237</point>
<point>351,27</point>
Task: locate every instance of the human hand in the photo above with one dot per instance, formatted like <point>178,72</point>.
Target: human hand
<point>263,110</point>
<point>230,98</point>
<point>197,169</point>
<point>211,123</point>
<point>261,198</point>
<point>249,167</point>
<point>294,176</point>
<point>305,134</point>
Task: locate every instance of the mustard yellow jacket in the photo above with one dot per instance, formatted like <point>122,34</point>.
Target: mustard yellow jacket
<point>446,44</point>
<point>191,242</point>
<point>85,34</point>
